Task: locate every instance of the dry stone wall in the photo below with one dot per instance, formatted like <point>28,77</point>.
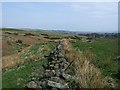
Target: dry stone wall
<point>54,76</point>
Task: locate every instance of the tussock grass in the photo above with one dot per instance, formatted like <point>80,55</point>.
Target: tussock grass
<point>89,56</point>
<point>68,55</point>
<point>89,76</point>
<point>104,51</point>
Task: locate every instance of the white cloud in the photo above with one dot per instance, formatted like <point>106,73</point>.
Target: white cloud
<point>96,9</point>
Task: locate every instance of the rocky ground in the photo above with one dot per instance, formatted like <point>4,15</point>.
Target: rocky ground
<point>54,76</point>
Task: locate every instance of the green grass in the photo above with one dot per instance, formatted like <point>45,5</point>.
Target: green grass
<point>20,46</point>
<point>10,78</point>
<point>16,47</point>
<point>34,50</point>
<point>104,50</point>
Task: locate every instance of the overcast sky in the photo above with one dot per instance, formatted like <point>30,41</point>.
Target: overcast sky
<point>83,16</point>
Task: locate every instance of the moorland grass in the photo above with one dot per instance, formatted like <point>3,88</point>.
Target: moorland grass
<point>88,75</point>
<point>18,77</point>
<point>104,51</point>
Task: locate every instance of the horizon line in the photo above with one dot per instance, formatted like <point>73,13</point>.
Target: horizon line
<point>35,29</point>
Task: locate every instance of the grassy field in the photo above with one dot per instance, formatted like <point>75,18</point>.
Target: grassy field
<point>21,59</point>
<point>17,77</point>
<point>104,52</point>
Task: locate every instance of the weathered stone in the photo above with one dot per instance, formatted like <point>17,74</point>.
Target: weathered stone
<point>54,71</point>
<point>32,84</point>
<point>62,66</point>
<point>53,62</point>
<point>58,73</point>
<point>55,79</point>
<point>44,84</point>
<point>66,65</point>
<point>66,76</point>
<point>54,88</point>
<point>56,66</point>
<point>49,73</point>
<point>52,66</point>
<point>34,74</point>
<point>45,66</point>
<point>57,85</point>
<point>58,61</point>
<point>47,70</point>
<point>60,55</point>
<point>33,78</point>
<point>117,58</point>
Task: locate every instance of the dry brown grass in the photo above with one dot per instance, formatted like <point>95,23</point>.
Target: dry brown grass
<point>89,56</point>
<point>89,76</point>
<point>13,60</point>
<point>69,56</point>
